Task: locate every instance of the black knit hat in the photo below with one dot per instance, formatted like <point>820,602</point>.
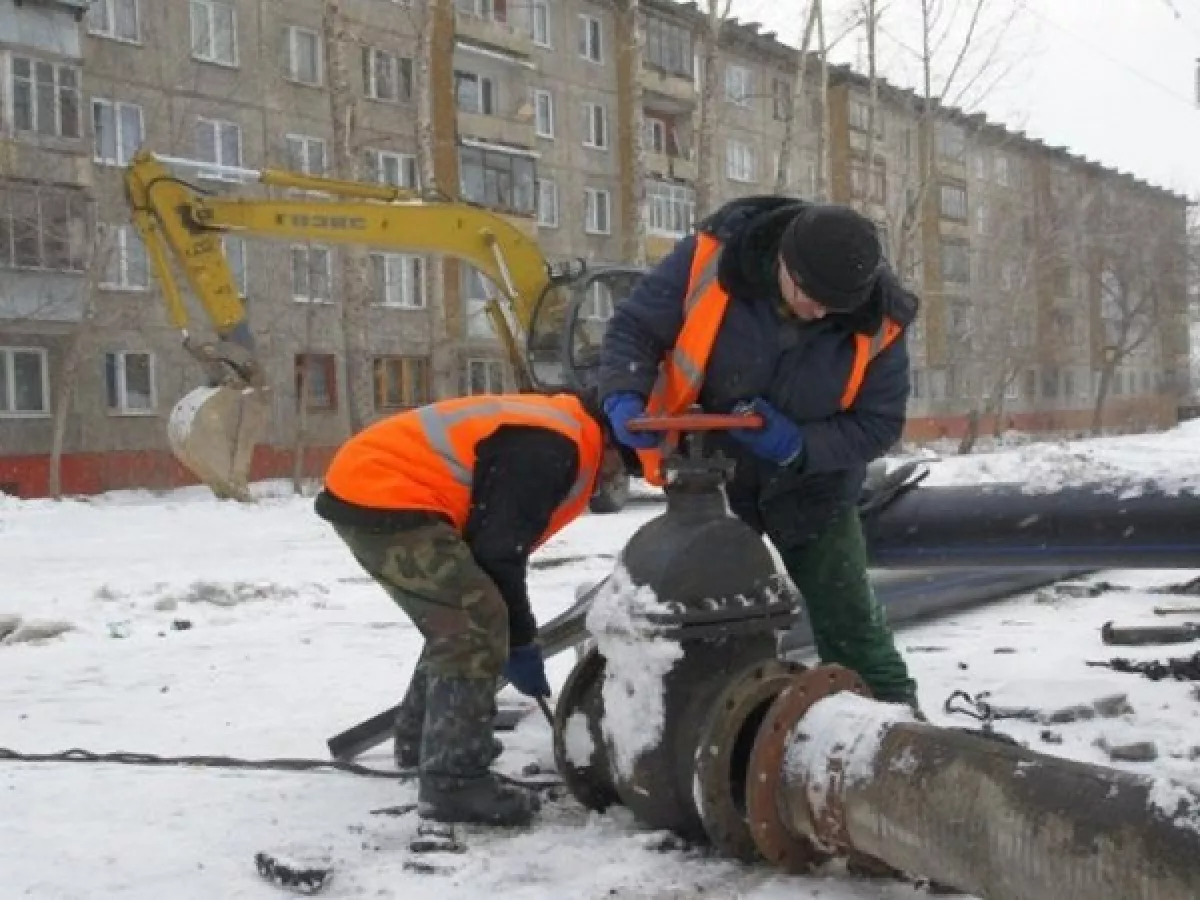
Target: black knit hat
<point>834,255</point>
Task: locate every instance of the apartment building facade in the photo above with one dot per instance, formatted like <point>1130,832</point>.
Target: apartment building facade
<point>544,111</point>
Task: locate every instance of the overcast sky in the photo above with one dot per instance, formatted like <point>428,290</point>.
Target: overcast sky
<point>1113,80</point>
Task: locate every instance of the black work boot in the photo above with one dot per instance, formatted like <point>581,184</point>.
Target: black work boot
<point>410,722</point>
<point>456,748</point>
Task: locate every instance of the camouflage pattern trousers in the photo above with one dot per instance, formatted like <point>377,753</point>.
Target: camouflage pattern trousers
<point>430,574</point>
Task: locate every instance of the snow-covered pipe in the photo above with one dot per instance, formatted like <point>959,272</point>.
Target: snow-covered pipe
<point>988,818</point>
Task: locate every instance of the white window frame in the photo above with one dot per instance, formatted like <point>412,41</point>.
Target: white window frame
<point>7,361</point>
<point>305,144</point>
<point>591,39</point>
<point>58,131</point>
<point>547,203</point>
<point>126,242</point>
<point>543,126</point>
<point>739,85</point>
<point>591,206</point>
<point>590,122</point>
<point>405,165</point>
<point>210,8</point>
<point>102,20</point>
<point>122,371</point>
<point>741,161</point>
<point>294,33</point>
<point>116,109</point>
<point>670,209</point>
<point>309,250</point>
<point>654,135</point>
<point>403,282</point>
<point>219,127</point>
<point>490,366</point>
<point>487,93</point>
<point>543,39</point>
<point>371,59</point>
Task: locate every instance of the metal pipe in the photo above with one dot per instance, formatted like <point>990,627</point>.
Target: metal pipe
<point>985,817</point>
<point>1111,526</point>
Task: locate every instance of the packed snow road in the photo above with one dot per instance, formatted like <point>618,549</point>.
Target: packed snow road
<point>179,625</point>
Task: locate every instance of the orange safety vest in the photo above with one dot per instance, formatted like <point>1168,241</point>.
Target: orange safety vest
<point>682,373</point>
<point>424,459</point>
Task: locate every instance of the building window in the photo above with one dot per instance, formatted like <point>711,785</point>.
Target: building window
<point>116,19</point>
<point>543,112</point>
<point>1001,166</point>
<point>306,154</point>
<point>400,382</point>
<point>316,381</point>
<point>214,31</point>
<point>477,293</point>
<point>669,47</point>
<point>858,179</point>
<point>741,162</point>
<point>915,384</point>
<point>396,169</point>
<point>956,261</point>
<point>46,98</point>
<point>596,211</point>
<point>42,229</point>
<point>951,142</point>
<point>129,383</point>
<point>539,22</point>
<point>312,274</point>
<point>24,382</point>
<point>304,55</point>
<point>781,99</point>
<point>126,267</point>
<point>116,132</point>
<point>235,256</point>
<point>503,181</point>
<point>387,76</point>
<point>654,135</point>
<point>598,307</point>
<point>671,208</point>
<point>959,313</point>
<point>952,201</point>
<point>591,39</point>
<point>219,143</point>
<point>484,376</point>
<point>475,93</point>
<point>398,280</point>
<point>490,10</point>
<point>739,85</point>
<point>547,210</point>
<point>595,125</point>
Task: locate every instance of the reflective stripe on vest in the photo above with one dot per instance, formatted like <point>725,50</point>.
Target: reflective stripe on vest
<point>425,458</point>
<point>681,375</point>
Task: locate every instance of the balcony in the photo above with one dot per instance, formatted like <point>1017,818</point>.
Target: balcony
<point>494,35</point>
<point>680,90</point>
<point>497,129</point>
<point>667,166</point>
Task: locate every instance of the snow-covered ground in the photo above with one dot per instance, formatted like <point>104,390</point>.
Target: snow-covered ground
<point>199,627</point>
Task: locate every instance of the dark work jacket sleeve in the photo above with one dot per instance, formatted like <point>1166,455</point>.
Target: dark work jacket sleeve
<point>871,426</point>
<point>521,476</point>
<point>644,327</point>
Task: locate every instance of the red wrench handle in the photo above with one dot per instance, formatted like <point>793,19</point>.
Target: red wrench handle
<point>696,422</point>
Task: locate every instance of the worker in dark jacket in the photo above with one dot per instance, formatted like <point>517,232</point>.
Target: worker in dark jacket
<point>443,506</point>
<point>788,308</point>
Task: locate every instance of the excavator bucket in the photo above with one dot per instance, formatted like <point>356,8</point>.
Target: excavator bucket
<point>213,431</point>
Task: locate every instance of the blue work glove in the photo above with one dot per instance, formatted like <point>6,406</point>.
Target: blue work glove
<point>620,408</point>
<point>780,440</point>
<point>526,671</point>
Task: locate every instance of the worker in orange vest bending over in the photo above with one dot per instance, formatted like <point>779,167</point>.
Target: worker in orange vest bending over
<point>789,308</point>
<point>443,505</point>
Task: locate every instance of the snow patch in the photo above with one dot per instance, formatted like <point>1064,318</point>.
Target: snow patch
<point>32,632</point>
<point>229,594</point>
<point>637,659</point>
<point>1177,801</point>
<point>843,727</point>
<point>578,741</point>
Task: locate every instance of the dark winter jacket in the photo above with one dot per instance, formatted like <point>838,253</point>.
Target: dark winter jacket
<point>762,350</point>
<point>521,476</point>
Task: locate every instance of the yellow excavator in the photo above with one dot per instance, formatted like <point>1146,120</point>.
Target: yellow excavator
<point>549,318</point>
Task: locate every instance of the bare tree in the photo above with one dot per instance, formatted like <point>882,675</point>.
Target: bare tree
<point>632,44</point>
<point>798,104</point>
<point>717,13</point>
